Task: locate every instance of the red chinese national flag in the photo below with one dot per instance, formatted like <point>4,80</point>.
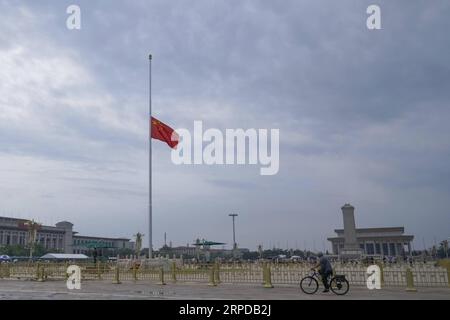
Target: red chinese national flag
<point>164,133</point>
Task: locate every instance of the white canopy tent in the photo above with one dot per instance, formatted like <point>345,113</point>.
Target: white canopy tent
<point>64,256</point>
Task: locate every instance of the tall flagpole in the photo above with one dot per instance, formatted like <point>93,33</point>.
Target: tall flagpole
<point>150,244</point>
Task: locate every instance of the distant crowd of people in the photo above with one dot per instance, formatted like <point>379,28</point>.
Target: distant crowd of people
<point>311,260</point>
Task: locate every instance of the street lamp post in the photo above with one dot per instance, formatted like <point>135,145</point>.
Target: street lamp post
<point>233,215</point>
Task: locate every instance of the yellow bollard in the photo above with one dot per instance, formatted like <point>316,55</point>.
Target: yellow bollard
<point>264,274</point>
<point>217,274</point>
<point>268,282</point>
<point>135,277</point>
<point>40,274</point>
<point>37,271</point>
<point>66,265</point>
<point>174,272</point>
<point>161,277</point>
<point>116,279</point>
<point>99,275</point>
<point>5,271</point>
<point>448,275</point>
<point>445,264</point>
<point>45,272</point>
<point>410,281</point>
<point>211,282</point>
<point>380,265</point>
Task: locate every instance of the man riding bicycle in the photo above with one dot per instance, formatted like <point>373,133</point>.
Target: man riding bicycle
<point>325,270</point>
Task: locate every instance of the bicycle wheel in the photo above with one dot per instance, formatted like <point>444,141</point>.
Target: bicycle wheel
<point>309,285</point>
<point>339,286</point>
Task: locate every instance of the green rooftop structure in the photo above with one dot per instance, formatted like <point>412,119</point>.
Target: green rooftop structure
<point>97,244</point>
<point>204,242</point>
<point>205,245</point>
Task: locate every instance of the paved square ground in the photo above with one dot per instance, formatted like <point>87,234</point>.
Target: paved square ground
<point>21,289</point>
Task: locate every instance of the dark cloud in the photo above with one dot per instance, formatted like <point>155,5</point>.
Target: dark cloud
<point>363,115</point>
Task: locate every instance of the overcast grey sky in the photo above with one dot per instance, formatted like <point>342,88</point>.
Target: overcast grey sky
<point>363,116</point>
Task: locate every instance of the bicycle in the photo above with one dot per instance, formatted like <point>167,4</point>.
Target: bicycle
<point>338,284</point>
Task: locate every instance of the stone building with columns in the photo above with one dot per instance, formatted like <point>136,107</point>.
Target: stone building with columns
<point>356,242</point>
<point>60,238</point>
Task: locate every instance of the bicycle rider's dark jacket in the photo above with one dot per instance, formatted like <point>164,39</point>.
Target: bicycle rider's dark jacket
<point>325,265</point>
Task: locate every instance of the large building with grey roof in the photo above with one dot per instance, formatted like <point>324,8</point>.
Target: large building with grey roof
<point>58,238</point>
<point>386,241</point>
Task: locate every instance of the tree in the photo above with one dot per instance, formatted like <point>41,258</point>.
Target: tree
<point>13,250</point>
<point>39,250</point>
<point>443,249</point>
<point>251,255</point>
<point>122,252</point>
<point>32,227</point>
<point>138,243</point>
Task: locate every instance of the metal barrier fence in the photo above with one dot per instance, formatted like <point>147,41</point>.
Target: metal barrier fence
<point>423,275</point>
